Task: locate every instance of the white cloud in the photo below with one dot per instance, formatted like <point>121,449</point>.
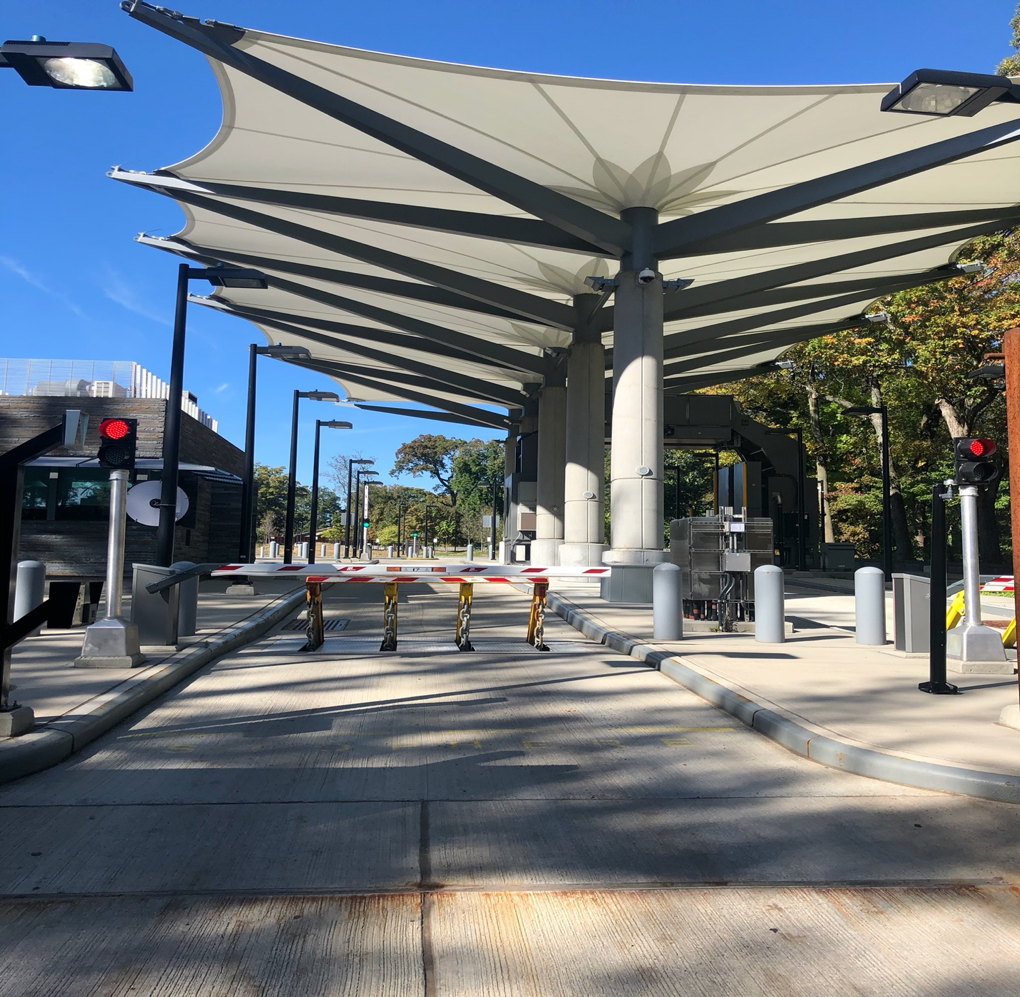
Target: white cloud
<point>223,387</point>
<point>117,288</point>
<point>37,282</point>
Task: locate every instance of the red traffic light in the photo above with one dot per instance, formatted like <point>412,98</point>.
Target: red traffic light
<point>114,429</point>
<point>982,447</point>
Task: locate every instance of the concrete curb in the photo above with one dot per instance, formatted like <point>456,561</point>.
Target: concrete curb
<point>794,732</point>
<point>56,741</point>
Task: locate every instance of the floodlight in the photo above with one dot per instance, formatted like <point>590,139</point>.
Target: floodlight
<point>66,65</point>
<point>944,93</point>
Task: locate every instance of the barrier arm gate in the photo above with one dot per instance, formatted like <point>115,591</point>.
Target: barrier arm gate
<point>391,576</point>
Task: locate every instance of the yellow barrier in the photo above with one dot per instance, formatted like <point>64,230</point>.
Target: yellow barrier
<point>956,611</point>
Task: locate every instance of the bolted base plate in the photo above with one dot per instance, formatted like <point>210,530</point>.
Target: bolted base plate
<point>16,721</point>
<point>938,688</point>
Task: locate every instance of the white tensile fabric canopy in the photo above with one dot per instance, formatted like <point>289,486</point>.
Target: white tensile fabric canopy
<point>410,274</point>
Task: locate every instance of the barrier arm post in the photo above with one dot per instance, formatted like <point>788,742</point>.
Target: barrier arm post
<point>315,630</point>
<point>463,638</point>
<point>536,619</point>
<point>389,642</point>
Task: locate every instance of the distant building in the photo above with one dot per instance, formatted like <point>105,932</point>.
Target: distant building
<point>65,507</point>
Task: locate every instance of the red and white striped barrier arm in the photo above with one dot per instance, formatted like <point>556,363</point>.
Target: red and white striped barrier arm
<point>411,573</point>
<point>1004,583</point>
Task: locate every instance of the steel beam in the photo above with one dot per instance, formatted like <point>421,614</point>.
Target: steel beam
<point>339,371</point>
<point>566,213</point>
<point>530,307</point>
<point>685,385</point>
<point>474,224</point>
<point>676,237</point>
<point>422,414</point>
<point>368,282</point>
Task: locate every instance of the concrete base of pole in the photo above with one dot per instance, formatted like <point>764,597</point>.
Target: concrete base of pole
<point>15,722</point>
<point>976,648</point>
<point>582,555</point>
<point>110,644</point>
<point>628,583</point>
<point>546,553</point>
<point>1010,716</point>
<point>241,588</point>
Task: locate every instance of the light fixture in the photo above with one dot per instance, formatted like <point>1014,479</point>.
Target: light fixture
<point>602,283</point>
<point>945,93</point>
<point>989,372</point>
<point>280,352</point>
<point>877,318</point>
<point>222,276</point>
<point>975,266</point>
<point>677,283</point>
<point>321,396</point>
<point>66,65</point>
<point>786,364</point>
<point>333,424</point>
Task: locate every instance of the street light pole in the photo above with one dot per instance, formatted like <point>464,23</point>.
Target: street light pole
<point>314,511</point>
<point>246,548</point>
<point>288,534</point>
<point>172,429</point>
<point>886,497</point>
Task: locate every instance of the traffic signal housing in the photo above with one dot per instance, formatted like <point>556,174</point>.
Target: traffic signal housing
<point>118,439</point>
<point>975,463</point>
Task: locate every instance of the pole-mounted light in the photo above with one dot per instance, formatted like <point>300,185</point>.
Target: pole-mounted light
<point>66,65</point>
<point>945,93</point>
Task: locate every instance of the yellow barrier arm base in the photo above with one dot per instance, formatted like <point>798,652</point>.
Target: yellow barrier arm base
<point>536,619</point>
<point>315,631</point>
<point>389,642</point>
<point>463,636</point>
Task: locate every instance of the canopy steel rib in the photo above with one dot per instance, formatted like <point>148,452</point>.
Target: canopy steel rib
<point>567,214</point>
<point>336,369</point>
<point>346,278</point>
<point>529,307</point>
<point>686,385</point>
<point>421,414</point>
<point>724,290</point>
<point>673,238</point>
<point>478,387</point>
<point>502,228</point>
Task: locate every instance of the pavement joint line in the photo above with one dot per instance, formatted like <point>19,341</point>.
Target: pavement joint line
<point>811,741</point>
<point>56,740</point>
<point>677,886</point>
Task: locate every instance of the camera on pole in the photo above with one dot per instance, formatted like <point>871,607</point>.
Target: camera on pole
<point>118,439</point>
<point>975,463</point>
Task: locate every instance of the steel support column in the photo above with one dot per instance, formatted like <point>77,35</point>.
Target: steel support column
<point>636,522</point>
<point>552,419</point>
<point>585,475</point>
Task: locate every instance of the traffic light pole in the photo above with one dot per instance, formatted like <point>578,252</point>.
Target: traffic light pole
<point>172,429</point>
<point>246,547</point>
<point>1011,359</point>
<point>364,521</point>
<point>313,512</point>
<point>288,530</point>
<point>887,552</point>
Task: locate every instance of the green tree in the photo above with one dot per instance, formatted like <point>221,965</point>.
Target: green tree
<point>431,455</point>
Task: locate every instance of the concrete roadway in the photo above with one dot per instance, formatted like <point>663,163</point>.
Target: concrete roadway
<point>497,823</point>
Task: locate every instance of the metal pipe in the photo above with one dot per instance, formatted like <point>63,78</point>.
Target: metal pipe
<point>887,550</point>
<point>349,513</point>
<point>171,450</point>
<point>971,568</point>
<point>288,533</point>
<point>115,543</point>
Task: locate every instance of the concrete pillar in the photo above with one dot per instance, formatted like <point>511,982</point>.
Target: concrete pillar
<point>636,510</point>
<point>584,476</point>
<point>552,422</point>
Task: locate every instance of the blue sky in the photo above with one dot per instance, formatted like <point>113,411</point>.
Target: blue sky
<point>75,286</point>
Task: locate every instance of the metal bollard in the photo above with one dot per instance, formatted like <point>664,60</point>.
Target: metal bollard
<point>303,550</point>
<point>667,602</point>
<point>769,605</point>
<point>389,550</point>
<point>323,550</point>
<point>869,605</point>
<point>28,592</point>
<point>470,553</point>
<point>336,552</point>
<point>187,605</point>
<point>274,550</point>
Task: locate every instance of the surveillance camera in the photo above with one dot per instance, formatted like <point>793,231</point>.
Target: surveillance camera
<point>646,276</point>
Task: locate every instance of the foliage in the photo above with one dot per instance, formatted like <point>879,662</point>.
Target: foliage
<point>431,455</point>
<point>271,505</point>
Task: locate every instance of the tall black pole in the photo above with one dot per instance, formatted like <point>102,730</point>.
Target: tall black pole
<point>288,536</point>
<point>937,684</point>
<point>801,502</point>
<point>495,496</point>
<point>246,548</point>
<point>172,429</point>
<point>347,526</point>
<point>313,513</point>
<point>886,498</point>
<point>356,530</point>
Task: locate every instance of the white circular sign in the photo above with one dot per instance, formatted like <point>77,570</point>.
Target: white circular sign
<point>143,503</point>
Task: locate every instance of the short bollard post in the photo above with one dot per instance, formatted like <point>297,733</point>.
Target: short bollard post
<point>667,602</point>
<point>29,590</point>
<point>389,641</point>
<point>470,553</point>
<point>315,630</point>
<point>869,605</point>
<point>389,551</point>
<point>274,550</point>
<point>769,605</point>
<point>336,552</point>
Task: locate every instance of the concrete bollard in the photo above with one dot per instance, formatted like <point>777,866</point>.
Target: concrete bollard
<point>29,589</point>
<point>667,602</point>
<point>869,605</point>
<point>469,555</point>
<point>389,550</point>
<point>323,552</point>
<point>303,550</point>
<point>769,605</point>
<point>336,552</point>
<point>274,550</point>
<point>187,605</point>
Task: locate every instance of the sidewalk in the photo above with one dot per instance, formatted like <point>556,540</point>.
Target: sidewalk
<point>828,698</point>
<point>72,705</point>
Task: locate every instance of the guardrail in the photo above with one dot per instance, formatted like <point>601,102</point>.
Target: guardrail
<point>392,576</point>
